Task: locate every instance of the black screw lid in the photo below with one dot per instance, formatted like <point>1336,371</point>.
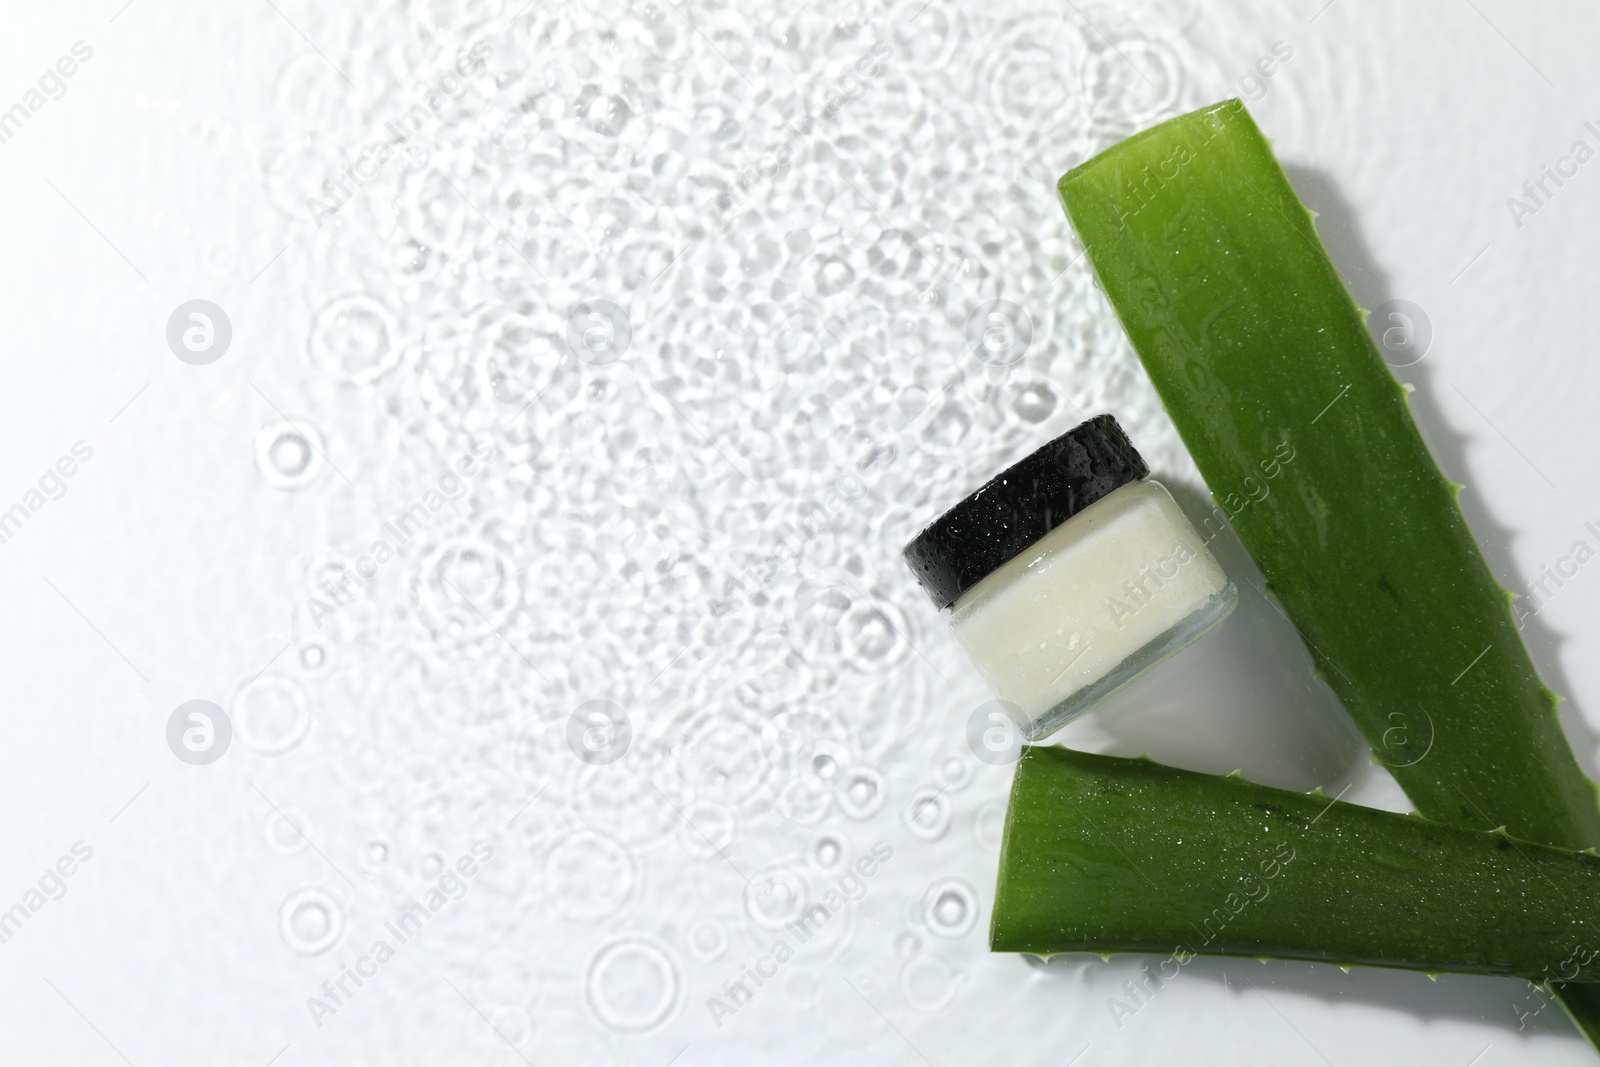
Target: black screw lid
<point>1020,505</point>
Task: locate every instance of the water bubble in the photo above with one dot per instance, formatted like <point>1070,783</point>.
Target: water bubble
<point>950,908</point>
<point>355,339</point>
<point>872,635</point>
<point>833,275</point>
<point>822,762</point>
<point>271,713</point>
<point>775,897</point>
<point>708,938</point>
<point>632,985</point>
<point>863,793</point>
<point>827,852</point>
<point>468,588</point>
<point>1034,402</point>
<point>956,772</point>
<point>431,866</point>
<point>310,921</point>
<point>1138,77</point>
<point>589,876</point>
<point>928,817</point>
<point>288,830</point>
<point>722,758</point>
<point>805,801</point>
<point>927,982</point>
<point>312,657</point>
<point>989,826</point>
<point>289,455</point>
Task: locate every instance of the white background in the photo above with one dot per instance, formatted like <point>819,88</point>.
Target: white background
<point>767,357</point>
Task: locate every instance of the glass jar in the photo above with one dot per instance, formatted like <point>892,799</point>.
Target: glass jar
<point>1069,575</point>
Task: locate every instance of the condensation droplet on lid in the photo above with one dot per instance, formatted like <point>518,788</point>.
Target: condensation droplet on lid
<point>310,920</point>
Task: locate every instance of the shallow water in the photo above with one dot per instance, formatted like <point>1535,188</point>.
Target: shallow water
<point>543,520</point>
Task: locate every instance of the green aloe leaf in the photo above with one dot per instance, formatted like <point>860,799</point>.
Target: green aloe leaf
<point>1252,341</point>
<point>1104,854</point>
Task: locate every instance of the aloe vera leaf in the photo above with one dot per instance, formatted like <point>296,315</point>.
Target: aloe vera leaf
<point>1254,344</point>
<point>1106,854</point>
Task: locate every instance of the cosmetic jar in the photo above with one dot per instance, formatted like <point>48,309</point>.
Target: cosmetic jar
<point>1069,575</point>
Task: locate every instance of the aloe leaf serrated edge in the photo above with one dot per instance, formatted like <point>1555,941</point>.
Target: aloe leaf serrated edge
<point>1252,340</point>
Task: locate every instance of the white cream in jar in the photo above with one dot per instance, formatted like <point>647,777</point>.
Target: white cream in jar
<point>1070,574</point>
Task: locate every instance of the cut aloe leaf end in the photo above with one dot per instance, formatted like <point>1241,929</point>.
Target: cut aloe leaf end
<point>1103,854</point>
